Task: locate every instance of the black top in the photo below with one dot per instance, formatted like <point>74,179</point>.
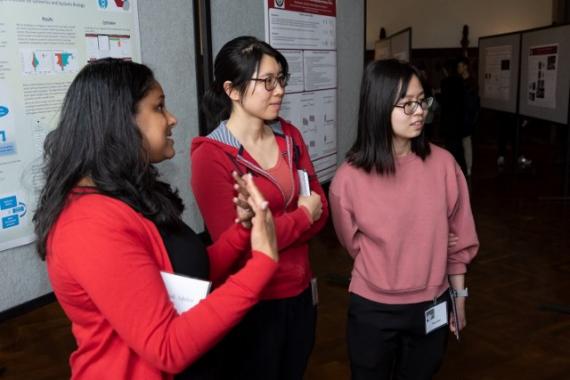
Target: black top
<point>189,257</point>
<point>186,251</point>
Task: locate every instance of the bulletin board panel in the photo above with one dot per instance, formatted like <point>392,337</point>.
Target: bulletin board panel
<point>401,44</point>
<point>382,49</point>
<point>499,68</point>
<point>545,77</point>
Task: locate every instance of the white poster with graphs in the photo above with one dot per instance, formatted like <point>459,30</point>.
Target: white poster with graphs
<point>43,45</point>
<point>497,77</point>
<point>304,31</point>
<point>542,75</point>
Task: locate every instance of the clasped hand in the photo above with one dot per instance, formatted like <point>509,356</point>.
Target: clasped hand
<point>253,212</point>
<point>244,212</point>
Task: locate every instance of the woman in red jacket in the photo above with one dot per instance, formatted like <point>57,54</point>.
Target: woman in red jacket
<point>275,339</point>
<point>107,227</point>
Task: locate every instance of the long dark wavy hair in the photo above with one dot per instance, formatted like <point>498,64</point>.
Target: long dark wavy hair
<point>236,62</point>
<point>97,137</point>
<point>384,82</point>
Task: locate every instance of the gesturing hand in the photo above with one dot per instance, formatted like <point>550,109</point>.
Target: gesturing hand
<point>263,237</point>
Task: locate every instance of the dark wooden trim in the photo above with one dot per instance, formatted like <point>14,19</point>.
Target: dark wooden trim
<point>365,31</point>
<point>525,31</point>
<point>566,185</point>
<point>26,307</point>
<point>203,55</point>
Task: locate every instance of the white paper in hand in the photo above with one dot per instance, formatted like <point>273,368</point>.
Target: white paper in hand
<point>304,187</point>
<point>185,292</point>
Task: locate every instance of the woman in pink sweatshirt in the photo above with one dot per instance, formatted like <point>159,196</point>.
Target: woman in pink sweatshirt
<point>394,203</point>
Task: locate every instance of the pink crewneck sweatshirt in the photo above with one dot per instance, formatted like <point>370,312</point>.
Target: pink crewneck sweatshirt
<point>396,227</point>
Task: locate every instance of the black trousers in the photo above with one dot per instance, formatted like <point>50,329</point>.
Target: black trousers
<point>273,341</point>
<point>389,341</point>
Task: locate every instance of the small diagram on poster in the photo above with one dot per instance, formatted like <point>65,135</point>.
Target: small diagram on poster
<point>542,75</point>
<point>12,211</point>
<point>44,61</point>
<point>108,46</point>
<point>15,221</point>
<point>114,5</point>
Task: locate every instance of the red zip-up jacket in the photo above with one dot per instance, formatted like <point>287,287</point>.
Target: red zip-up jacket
<point>215,156</point>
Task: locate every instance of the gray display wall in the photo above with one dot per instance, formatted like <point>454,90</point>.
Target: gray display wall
<point>232,18</point>
<point>350,64</point>
<point>245,17</point>
<point>490,48</point>
<point>167,41</point>
<point>559,36</point>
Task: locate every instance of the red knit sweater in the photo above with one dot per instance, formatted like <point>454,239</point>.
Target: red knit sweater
<point>104,262</point>
<point>215,157</point>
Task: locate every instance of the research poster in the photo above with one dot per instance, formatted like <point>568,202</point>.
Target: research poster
<point>43,45</point>
<point>382,49</point>
<point>542,74</point>
<point>304,31</point>
<point>497,75</point>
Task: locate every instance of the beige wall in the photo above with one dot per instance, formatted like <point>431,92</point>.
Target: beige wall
<point>438,23</point>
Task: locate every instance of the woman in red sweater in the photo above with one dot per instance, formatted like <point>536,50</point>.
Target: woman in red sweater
<point>107,227</point>
<point>394,204</point>
<point>275,339</point>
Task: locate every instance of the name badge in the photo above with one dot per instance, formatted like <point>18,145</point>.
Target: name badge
<point>315,291</point>
<point>436,316</point>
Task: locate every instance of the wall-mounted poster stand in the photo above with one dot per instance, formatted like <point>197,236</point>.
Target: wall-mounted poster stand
<point>397,45</point>
<point>524,73</point>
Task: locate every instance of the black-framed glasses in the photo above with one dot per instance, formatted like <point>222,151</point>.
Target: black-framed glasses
<point>412,105</point>
<point>271,81</point>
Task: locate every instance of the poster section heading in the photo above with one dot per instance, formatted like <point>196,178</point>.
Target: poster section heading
<point>319,7</point>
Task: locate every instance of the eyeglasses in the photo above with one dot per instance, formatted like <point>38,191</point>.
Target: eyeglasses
<point>271,81</point>
<point>411,106</point>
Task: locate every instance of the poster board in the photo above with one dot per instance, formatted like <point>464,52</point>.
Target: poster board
<point>401,44</point>
<point>43,45</point>
<point>382,49</point>
<point>305,33</point>
<point>499,65</point>
<point>397,45</point>
<point>545,77</point>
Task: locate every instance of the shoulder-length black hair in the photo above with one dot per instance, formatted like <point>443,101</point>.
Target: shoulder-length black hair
<point>384,82</point>
<point>97,137</point>
<point>236,62</point>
